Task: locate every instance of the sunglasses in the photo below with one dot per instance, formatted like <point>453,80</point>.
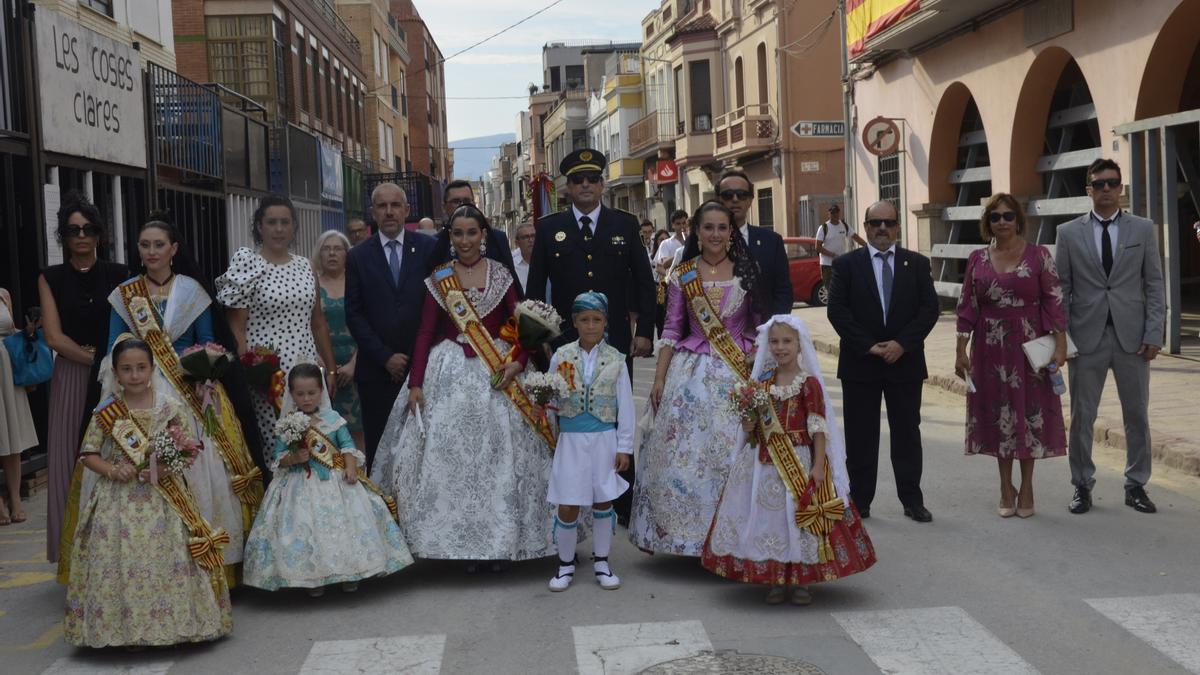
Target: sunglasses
<point>1007,216</point>
<point>1110,182</point>
<point>736,194</point>
<point>84,231</point>
<point>882,222</point>
<point>579,178</point>
<point>460,201</point>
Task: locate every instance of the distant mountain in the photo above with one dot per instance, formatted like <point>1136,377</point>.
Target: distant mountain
<point>473,156</point>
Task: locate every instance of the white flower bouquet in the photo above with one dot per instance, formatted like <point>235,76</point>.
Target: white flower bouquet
<point>291,427</point>
<point>537,323</point>
<point>544,387</point>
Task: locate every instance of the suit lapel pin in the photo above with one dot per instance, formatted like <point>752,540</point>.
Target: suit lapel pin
<point>906,263</point>
<point>758,242</point>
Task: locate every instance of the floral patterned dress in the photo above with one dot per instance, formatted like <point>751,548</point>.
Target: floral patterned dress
<point>1014,413</point>
<point>684,460</point>
<point>133,580</point>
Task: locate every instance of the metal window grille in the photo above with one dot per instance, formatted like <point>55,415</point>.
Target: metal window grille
<point>889,180</point>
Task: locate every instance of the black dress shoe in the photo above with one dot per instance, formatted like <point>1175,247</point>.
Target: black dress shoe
<point>918,513</point>
<point>1081,502</point>
<point>864,513</point>
<point>1139,500</point>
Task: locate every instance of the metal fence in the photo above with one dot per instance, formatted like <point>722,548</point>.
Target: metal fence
<point>187,123</point>
<point>811,212</point>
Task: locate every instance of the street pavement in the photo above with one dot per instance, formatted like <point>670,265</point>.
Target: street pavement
<point>1112,591</point>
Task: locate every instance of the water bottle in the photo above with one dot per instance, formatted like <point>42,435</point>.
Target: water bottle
<point>1056,379</point>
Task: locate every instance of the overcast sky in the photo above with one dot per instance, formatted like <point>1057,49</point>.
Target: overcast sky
<point>506,65</point>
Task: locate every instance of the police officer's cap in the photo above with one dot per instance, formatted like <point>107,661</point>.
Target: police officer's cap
<point>580,161</point>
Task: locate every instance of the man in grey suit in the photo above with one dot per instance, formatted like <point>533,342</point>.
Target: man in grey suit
<point>1111,276</point>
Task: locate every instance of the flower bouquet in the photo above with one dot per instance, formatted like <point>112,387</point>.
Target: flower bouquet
<point>746,401</point>
<point>537,323</point>
<point>545,387</point>
<point>290,429</point>
<point>263,372</point>
<point>171,448</point>
<point>204,365</point>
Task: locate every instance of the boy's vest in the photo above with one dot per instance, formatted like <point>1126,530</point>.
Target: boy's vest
<point>591,406</point>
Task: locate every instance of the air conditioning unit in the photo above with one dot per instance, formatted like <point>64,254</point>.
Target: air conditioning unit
<point>702,123</point>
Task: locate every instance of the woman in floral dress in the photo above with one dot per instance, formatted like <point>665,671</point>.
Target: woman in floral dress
<point>1010,295</point>
<point>684,460</point>
<point>329,260</point>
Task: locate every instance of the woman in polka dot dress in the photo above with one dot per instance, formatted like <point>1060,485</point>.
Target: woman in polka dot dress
<point>272,300</point>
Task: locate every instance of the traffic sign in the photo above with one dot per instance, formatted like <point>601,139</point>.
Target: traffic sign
<point>819,128</point>
<point>881,136</point>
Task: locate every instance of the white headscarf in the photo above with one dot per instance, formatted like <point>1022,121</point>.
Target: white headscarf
<point>835,443</point>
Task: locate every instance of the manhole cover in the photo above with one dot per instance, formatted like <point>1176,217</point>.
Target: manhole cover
<point>732,662</point>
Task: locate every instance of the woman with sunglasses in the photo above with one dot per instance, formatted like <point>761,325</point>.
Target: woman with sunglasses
<point>75,322</point>
<point>1010,295</point>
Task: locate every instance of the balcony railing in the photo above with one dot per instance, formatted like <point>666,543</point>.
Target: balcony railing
<point>335,21</point>
<point>653,130</point>
<point>187,123</point>
<point>745,129</point>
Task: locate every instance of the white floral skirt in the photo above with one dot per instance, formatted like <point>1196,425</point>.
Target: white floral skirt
<point>474,486</point>
<point>683,461</point>
<point>312,532</point>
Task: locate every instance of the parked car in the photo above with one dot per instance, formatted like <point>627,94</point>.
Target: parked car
<point>804,266</point>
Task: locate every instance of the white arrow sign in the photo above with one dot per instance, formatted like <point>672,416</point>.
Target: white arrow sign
<point>819,128</point>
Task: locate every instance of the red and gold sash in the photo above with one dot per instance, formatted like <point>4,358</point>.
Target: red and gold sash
<point>325,452</point>
<point>206,542</point>
<point>244,477</point>
<point>464,316</point>
<point>815,510</point>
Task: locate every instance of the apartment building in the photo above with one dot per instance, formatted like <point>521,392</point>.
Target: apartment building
<point>425,83</point>
<point>612,110</point>
<point>385,61</point>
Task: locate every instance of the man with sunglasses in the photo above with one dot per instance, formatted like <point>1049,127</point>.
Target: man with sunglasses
<point>459,193</point>
<point>882,304</point>
<point>766,246</point>
<point>1111,275</point>
<point>590,247</point>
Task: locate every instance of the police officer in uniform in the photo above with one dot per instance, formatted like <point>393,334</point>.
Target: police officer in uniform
<point>590,247</point>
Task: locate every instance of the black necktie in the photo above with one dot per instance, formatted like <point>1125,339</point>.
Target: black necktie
<point>1106,258</point>
<point>585,223</point>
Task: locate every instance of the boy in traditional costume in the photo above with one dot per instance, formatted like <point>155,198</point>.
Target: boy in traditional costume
<point>785,517</point>
<point>321,521</point>
<point>595,440</point>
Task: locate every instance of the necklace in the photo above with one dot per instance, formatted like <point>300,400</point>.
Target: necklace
<point>712,267</point>
<point>471,265</point>
<point>84,270</point>
<point>163,283</point>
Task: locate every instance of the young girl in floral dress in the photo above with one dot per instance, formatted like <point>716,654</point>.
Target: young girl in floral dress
<point>321,522</point>
<point>134,579</point>
<point>754,536</point>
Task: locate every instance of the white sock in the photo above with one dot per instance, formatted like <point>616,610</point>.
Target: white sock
<point>604,523</point>
<point>566,535</point>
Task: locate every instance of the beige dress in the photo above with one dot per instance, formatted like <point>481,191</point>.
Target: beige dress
<point>16,423</point>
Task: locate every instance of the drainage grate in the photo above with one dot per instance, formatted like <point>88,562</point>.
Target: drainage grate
<point>730,662</point>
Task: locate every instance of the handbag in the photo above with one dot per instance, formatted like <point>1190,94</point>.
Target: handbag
<point>1040,351</point>
<point>32,360</point>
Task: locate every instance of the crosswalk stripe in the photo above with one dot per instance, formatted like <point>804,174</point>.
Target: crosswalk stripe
<point>408,654</point>
<point>617,649</point>
<point>931,641</point>
<point>72,666</point>
<point>1168,623</point>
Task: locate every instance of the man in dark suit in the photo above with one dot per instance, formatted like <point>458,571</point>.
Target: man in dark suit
<point>385,289</point>
<point>459,192</point>
<point>591,247</point>
<point>766,246</point>
<point>882,303</point>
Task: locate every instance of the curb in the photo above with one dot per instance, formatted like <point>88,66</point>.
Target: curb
<point>1177,453</point>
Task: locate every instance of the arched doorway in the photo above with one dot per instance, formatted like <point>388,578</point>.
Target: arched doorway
<point>1055,137</point>
<point>960,176</point>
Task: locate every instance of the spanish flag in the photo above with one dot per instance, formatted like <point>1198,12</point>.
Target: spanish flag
<point>867,18</point>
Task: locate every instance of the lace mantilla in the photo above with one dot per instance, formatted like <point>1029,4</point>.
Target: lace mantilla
<point>483,299</point>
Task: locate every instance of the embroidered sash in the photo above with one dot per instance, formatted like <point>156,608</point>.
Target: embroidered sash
<point>206,542</point>
<point>322,450</point>
<point>244,477</point>
<point>813,511</point>
<point>468,322</point>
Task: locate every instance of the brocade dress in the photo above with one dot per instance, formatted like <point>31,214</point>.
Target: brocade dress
<point>684,460</point>
<point>1014,412</point>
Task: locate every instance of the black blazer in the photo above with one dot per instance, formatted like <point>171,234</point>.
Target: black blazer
<point>616,266</point>
<point>382,316</point>
<point>856,313</point>
<point>766,247</point>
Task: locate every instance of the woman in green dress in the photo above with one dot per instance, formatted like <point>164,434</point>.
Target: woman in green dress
<point>329,264</point>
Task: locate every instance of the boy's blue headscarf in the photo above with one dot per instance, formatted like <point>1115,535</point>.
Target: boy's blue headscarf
<point>591,300</point>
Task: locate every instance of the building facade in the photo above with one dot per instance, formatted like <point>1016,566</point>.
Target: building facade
<point>385,61</point>
<point>612,110</point>
<point>995,97</point>
<point>426,87</point>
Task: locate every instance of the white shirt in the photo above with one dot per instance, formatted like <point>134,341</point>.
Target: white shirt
<point>383,239</point>
<point>666,250</point>
<point>594,214</point>
<point>625,409</point>
<point>745,230</point>
<point>522,267</point>
<point>835,237</point>
<point>1098,233</point>
<point>877,266</point>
